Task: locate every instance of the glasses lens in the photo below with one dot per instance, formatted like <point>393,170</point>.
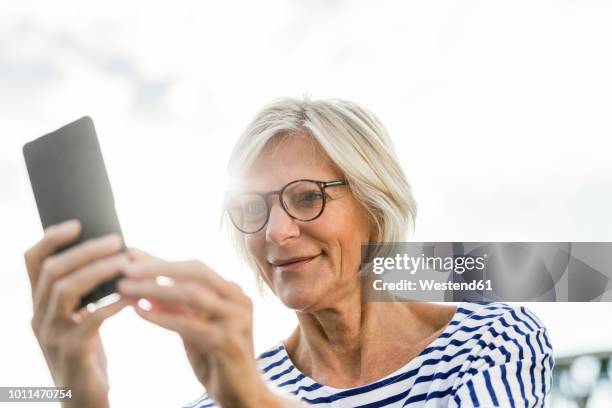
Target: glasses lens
<point>303,200</point>
<point>248,212</point>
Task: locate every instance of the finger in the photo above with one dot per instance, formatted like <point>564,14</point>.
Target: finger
<point>196,297</point>
<point>185,326</point>
<point>55,237</point>
<point>161,306</point>
<point>60,265</point>
<point>188,270</point>
<point>92,322</point>
<point>66,293</point>
<point>140,255</point>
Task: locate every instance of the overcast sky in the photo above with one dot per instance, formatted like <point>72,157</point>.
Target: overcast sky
<point>500,112</point>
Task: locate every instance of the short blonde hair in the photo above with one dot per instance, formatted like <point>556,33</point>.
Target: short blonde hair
<point>354,140</point>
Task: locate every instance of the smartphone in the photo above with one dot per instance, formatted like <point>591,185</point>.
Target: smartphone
<point>69,180</point>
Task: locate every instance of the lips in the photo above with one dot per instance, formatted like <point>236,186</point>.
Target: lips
<point>282,262</point>
<point>291,264</point>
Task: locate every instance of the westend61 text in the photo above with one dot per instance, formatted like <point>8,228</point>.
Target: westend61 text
<point>431,285</point>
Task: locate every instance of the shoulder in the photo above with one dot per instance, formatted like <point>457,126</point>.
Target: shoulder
<point>491,310</point>
<point>482,335</point>
<point>273,355</point>
<point>275,365</point>
<point>510,359</point>
<point>502,328</point>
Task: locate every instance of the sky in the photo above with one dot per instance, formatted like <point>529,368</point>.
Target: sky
<point>499,112</point>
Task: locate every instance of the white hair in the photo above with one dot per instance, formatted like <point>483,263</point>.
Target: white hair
<point>354,140</point>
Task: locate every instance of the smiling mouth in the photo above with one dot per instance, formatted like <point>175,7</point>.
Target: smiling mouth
<point>292,264</point>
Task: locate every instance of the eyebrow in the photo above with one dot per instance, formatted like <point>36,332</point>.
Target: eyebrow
<point>329,178</point>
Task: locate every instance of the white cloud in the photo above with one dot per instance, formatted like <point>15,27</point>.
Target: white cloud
<point>499,112</point>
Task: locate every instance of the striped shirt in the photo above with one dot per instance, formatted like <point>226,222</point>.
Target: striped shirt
<point>489,355</point>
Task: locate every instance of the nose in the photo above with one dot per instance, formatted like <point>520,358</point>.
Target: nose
<point>280,227</point>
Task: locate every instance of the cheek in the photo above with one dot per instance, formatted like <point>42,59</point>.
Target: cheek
<point>255,246</point>
<point>351,252</point>
<point>345,237</point>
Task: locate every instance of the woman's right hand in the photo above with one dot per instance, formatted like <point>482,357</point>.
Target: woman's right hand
<point>70,340</point>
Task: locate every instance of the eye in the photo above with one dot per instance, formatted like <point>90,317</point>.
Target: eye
<point>311,196</point>
<point>254,207</point>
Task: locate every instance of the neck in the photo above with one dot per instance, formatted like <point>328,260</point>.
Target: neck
<point>344,344</point>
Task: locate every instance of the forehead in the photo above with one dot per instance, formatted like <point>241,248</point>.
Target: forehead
<point>286,158</point>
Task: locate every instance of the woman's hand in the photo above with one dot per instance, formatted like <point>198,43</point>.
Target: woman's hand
<point>213,317</point>
<point>70,340</point>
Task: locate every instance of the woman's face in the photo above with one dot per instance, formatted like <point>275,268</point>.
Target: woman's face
<point>331,243</point>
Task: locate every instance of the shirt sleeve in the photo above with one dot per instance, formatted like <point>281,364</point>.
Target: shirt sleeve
<point>514,367</point>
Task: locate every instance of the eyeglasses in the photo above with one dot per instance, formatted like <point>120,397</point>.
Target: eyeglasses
<point>302,200</point>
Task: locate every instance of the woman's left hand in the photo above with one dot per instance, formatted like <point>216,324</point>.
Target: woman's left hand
<point>213,317</point>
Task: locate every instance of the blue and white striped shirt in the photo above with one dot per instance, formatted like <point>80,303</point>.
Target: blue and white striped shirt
<point>489,355</point>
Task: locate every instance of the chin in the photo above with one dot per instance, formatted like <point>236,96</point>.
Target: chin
<point>299,299</point>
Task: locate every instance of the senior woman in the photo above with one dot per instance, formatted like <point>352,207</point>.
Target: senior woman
<point>314,180</point>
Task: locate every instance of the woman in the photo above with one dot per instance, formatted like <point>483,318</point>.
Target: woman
<point>314,180</point>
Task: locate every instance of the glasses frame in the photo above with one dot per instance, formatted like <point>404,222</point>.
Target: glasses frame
<point>265,196</point>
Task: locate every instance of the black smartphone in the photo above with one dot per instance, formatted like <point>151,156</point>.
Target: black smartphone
<point>69,180</point>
